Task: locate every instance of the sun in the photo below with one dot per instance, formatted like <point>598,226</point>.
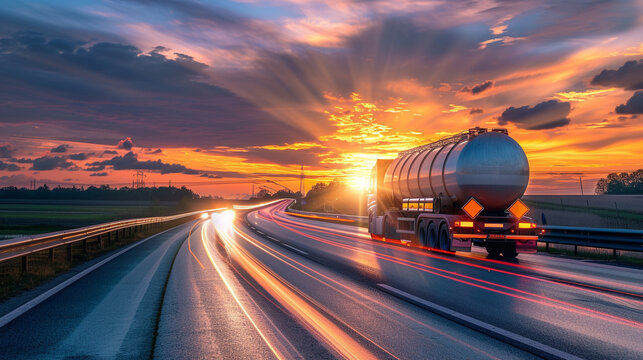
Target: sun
<point>359,183</point>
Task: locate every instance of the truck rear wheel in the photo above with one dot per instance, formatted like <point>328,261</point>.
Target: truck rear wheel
<point>510,250</point>
<point>389,229</point>
<point>445,241</point>
<point>494,249</point>
<point>432,235</point>
<point>422,234</point>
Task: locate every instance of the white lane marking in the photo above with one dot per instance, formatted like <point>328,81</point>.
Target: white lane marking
<point>514,339</point>
<point>295,249</point>
<point>273,238</point>
<point>7,318</point>
<point>115,313</point>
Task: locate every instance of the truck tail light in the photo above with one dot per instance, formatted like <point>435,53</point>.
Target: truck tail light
<point>466,224</point>
<point>526,225</point>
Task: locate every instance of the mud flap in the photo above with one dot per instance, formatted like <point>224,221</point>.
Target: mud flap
<point>461,245</point>
<point>526,246</point>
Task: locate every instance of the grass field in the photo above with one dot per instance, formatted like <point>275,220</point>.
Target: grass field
<point>28,217</point>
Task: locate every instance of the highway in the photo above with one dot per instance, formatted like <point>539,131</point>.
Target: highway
<point>263,284</point>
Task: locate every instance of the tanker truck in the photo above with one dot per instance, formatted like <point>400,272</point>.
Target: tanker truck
<point>455,193</point>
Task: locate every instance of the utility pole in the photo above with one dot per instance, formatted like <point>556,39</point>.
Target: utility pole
<point>580,178</point>
<point>253,190</point>
<point>140,179</point>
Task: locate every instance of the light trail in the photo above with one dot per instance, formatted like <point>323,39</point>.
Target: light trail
<point>566,283</point>
<point>566,306</point>
<point>272,348</point>
<point>190,247</point>
<point>290,261</point>
<point>318,324</point>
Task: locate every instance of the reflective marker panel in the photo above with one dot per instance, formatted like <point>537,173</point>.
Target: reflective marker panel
<point>518,209</point>
<point>472,208</point>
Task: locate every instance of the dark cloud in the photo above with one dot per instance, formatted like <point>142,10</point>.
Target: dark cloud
<point>21,160</point>
<point>50,163</point>
<point>308,157</point>
<point>8,167</point>
<point>6,151</point>
<point>110,152</point>
<point>98,174</point>
<point>126,144</point>
<point>634,105</point>
<point>157,151</point>
<point>60,148</point>
<point>130,161</point>
<point>478,88</point>
<point>211,176</point>
<point>546,115</point>
<point>95,168</point>
<point>629,76</point>
<point>79,156</point>
<point>476,111</point>
<point>102,87</point>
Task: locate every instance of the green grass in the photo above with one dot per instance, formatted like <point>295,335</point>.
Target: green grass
<point>621,214</point>
<point>622,259</point>
<point>30,218</point>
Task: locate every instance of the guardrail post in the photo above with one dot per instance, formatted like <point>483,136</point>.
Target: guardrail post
<point>109,237</point>
<point>25,264</point>
<point>69,253</point>
<point>84,246</point>
<point>575,249</point>
<point>51,255</point>
<point>100,241</point>
<point>116,235</point>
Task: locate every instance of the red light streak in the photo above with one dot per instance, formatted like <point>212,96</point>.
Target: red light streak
<point>280,256</point>
<point>567,283</point>
<point>435,271</point>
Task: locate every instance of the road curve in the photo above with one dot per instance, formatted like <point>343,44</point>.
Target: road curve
<point>263,284</point>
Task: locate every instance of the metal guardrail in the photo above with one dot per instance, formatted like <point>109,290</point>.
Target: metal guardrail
<point>26,245</point>
<point>613,239</point>
<point>329,216</point>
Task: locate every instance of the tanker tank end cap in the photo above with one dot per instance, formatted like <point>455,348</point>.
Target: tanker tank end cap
<point>472,208</point>
<point>518,209</point>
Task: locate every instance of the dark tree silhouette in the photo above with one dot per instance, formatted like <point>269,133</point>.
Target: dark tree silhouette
<point>623,183</point>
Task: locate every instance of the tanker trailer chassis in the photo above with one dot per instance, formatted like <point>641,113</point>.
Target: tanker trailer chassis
<point>454,217</point>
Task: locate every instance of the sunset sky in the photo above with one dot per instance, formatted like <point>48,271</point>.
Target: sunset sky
<point>216,95</point>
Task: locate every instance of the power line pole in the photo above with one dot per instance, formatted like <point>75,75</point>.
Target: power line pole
<point>140,179</point>
<point>580,178</point>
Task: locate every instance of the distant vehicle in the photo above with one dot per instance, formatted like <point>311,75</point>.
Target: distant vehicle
<point>453,193</point>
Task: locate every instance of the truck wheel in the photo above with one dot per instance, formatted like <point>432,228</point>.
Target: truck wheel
<point>510,250</point>
<point>493,249</point>
<point>432,236</point>
<point>422,234</point>
<point>445,242</point>
<point>388,228</point>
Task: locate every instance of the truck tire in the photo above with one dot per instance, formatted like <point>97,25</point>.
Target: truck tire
<point>510,250</point>
<point>432,236</point>
<point>422,234</point>
<point>389,230</point>
<point>445,241</point>
<point>494,249</point>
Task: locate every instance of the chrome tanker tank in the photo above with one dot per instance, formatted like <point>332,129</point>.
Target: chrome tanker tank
<point>485,164</point>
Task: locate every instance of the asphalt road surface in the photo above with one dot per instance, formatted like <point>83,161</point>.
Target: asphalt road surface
<point>256,284</point>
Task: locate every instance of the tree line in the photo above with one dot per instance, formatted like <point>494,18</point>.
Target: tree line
<point>623,183</point>
<point>103,192</point>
